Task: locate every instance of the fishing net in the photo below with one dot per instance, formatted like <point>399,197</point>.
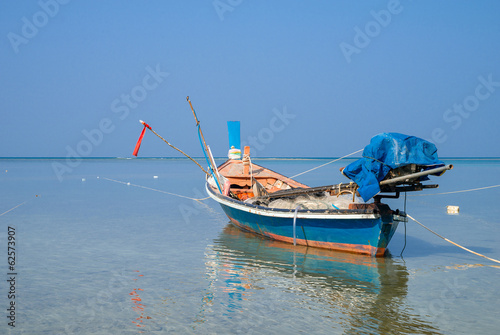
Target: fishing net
<point>323,201</point>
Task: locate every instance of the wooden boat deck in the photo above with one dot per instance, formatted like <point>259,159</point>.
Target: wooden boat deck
<point>240,174</point>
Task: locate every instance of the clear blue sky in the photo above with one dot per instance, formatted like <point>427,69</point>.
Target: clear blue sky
<point>305,78</point>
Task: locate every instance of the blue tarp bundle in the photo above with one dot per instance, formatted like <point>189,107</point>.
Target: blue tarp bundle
<point>388,151</point>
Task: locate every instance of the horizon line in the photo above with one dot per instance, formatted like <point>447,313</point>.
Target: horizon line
<point>223,157</point>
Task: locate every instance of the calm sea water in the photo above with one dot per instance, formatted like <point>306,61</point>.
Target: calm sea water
<point>95,256</point>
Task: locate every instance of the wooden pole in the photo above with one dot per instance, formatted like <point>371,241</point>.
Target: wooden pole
<point>164,140</point>
<point>205,147</point>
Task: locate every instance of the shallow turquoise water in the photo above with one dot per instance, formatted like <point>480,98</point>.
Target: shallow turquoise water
<point>96,256</point>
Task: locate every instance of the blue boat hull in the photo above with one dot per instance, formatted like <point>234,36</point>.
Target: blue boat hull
<point>359,231</point>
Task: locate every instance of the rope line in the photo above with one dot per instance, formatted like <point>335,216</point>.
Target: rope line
<point>13,208</point>
<point>247,158</point>
<point>335,160</point>
<point>154,189</point>
<point>470,190</point>
<point>182,152</point>
<point>449,241</point>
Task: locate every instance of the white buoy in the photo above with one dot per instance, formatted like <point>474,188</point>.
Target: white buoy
<point>128,184</point>
<point>155,177</point>
<point>452,209</point>
<point>83,179</point>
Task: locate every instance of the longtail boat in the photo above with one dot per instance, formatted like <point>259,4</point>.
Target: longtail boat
<point>264,202</point>
<point>338,217</point>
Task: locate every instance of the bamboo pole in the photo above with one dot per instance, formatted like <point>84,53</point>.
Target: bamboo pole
<point>205,147</point>
<point>164,140</point>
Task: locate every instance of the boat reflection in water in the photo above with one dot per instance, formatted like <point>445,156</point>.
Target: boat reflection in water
<point>309,288</point>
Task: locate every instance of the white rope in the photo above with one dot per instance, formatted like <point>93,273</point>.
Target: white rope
<point>12,208</point>
<point>447,240</point>
<point>154,189</point>
<point>335,160</point>
<point>470,190</point>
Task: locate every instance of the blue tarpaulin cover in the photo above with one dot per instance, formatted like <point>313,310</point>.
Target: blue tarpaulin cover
<point>388,151</point>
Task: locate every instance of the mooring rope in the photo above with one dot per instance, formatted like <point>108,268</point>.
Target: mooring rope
<point>335,160</point>
<point>295,225</point>
<point>404,246</point>
<point>452,192</point>
<point>153,189</point>
<point>449,241</point>
<point>182,152</point>
<point>13,208</point>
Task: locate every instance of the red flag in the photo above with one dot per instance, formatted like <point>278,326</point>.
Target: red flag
<point>139,141</point>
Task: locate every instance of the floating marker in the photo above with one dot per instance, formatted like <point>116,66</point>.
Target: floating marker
<point>155,177</point>
<point>452,209</point>
<point>83,179</point>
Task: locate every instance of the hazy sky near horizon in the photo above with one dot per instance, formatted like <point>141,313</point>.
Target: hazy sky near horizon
<point>305,78</point>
